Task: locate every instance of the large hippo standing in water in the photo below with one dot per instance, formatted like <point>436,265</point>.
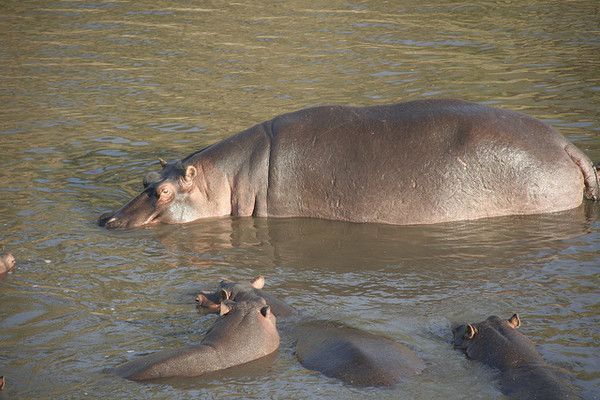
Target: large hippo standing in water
<point>332,348</point>
<point>419,162</point>
<point>523,372</point>
<point>245,331</point>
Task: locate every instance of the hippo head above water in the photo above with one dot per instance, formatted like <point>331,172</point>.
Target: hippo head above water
<point>495,342</point>
<point>524,374</point>
<point>243,291</point>
<point>229,290</point>
<point>172,196</point>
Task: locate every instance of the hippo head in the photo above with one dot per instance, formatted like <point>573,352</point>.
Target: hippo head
<point>494,341</point>
<point>175,195</point>
<point>228,290</point>
<point>243,291</point>
<point>7,263</point>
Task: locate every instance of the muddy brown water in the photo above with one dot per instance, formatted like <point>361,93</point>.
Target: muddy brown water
<point>92,92</point>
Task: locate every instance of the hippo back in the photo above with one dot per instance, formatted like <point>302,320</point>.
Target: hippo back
<point>417,162</point>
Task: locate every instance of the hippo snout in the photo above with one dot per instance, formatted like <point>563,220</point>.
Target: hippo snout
<point>105,218</point>
<point>110,221</point>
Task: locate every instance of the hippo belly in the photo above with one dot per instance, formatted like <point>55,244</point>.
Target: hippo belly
<point>418,163</point>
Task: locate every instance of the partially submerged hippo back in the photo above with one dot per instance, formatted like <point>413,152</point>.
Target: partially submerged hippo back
<point>524,374</point>
<point>244,332</point>
<point>419,162</point>
<point>354,356</point>
<point>7,263</point>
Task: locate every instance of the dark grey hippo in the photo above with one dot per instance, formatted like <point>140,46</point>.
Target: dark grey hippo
<point>419,162</point>
<point>332,348</point>
<point>7,263</point>
<point>244,332</point>
<point>524,374</point>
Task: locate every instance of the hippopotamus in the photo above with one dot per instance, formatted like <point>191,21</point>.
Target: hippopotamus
<point>419,162</point>
<point>524,374</point>
<point>7,263</point>
<point>2,383</point>
<point>332,348</point>
<point>244,332</point>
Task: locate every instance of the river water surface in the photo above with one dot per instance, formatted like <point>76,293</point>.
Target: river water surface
<point>93,92</point>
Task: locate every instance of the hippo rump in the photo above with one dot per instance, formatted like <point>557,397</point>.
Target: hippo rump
<point>332,348</point>
<point>523,372</point>
<point>419,162</point>
<point>244,332</point>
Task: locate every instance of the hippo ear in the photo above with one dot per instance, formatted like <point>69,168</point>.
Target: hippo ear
<point>224,309</point>
<point>470,332</point>
<point>265,311</point>
<point>515,321</point>
<point>224,295</point>
<point>162,162</point>
<point>258,282</point>
<point>190,173</point>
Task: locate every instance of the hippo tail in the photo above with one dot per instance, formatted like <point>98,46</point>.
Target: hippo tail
<point>589,170</point>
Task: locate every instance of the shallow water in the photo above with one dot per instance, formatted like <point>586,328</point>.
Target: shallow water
<point>94,91</point>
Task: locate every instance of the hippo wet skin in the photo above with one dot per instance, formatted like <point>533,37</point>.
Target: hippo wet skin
<point>523,372</point>
<point>419,162</point>
<point>7,263</point>
<point>332,348</point>
<point>245,331</point>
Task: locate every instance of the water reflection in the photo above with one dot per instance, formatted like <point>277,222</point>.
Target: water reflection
<point>343,246</point>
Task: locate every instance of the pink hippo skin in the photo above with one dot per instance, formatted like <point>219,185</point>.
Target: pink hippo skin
<point>419,162</point>
<point>245,331</point>
<point>334,349</point>
<point>523,372</point>
<point>7,263</point>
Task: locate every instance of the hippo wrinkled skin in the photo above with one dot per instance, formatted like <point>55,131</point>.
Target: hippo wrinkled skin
<point>420,162</point>
<point>244,332</point>
<point>523,372</point>
<point>7,263</point>
<point>332,348</point>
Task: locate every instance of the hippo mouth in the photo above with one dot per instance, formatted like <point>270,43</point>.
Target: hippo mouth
<point>110,221</point>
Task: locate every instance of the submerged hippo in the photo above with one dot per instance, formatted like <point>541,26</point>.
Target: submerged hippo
<point>7,263</point>
<point>244,332</point>
<point>523,373</point>
<point>334,349</point>
<point>420,162</point>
